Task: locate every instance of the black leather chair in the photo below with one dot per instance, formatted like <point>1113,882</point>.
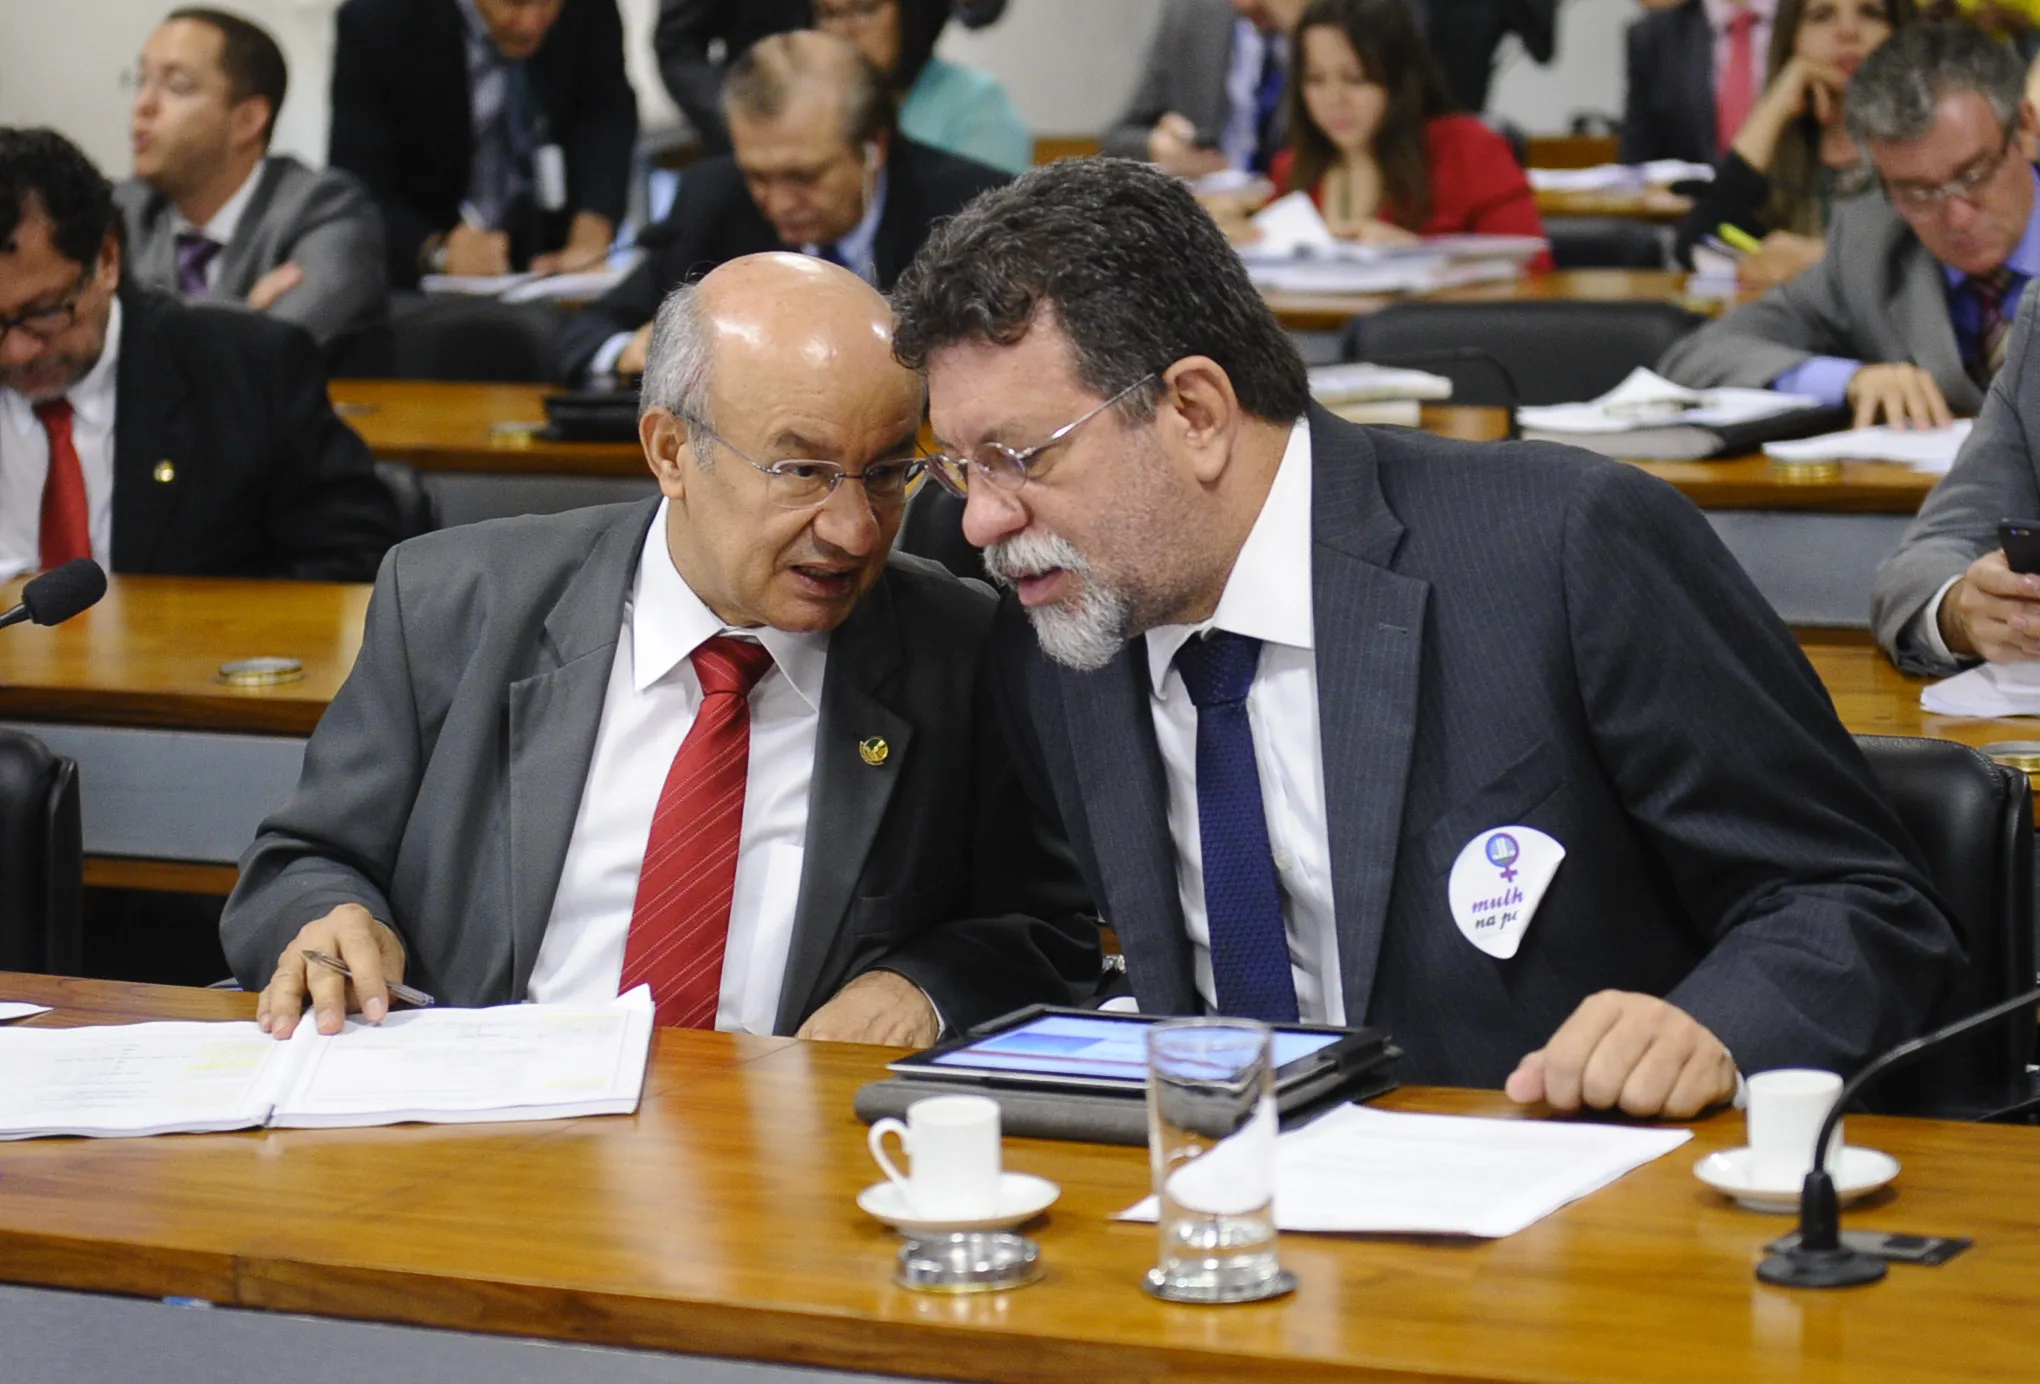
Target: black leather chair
<point>475,339</point>
<point>1973,822</point>
<point>1555,352</point>
<point>417,508</point>
<point>1604,242</point>
<point>42,859</point>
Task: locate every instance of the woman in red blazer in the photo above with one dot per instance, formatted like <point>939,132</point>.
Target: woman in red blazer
<point>1376,143</point>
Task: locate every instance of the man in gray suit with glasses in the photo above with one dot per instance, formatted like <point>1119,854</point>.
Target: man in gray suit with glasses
<point>722,743</point>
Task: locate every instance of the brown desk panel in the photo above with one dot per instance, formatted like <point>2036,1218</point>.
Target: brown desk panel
<point>719,1220</point>
<point>438,426</point>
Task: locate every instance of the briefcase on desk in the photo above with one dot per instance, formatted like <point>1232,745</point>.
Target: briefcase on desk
<point>1069,1095</point>
<point>592,415</point>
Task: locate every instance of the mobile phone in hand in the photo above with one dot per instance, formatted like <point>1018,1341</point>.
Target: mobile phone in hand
<point>2020,539</point>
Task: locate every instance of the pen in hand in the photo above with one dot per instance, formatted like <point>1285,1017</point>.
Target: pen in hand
<point>399,992</point>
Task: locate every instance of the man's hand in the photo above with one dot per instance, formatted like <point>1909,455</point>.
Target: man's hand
<point>1905,395</point>
<point>1630,1051</point>
<point>1992,613</point>
<point>274,285</point>
<point>470,252</point>
<point>350,933</point>
<point>877,1007</point>
<point>631,361</point>
<point>588,241</point>
<point>1172,147</point>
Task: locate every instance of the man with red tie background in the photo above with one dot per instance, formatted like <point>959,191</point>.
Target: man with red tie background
<point>149,435</point>
<point>1694,70</point>
<point>724,743</point>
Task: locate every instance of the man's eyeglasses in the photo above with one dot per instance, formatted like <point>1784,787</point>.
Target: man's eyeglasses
<point>1923,197</point>
<point>1008,467</point>
<point>798,483</point>
<point>846,11</point>
<point>45,324</point>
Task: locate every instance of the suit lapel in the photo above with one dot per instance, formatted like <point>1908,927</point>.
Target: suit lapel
<point>847,796</point>
<point>1926,330</point>
<point>554,717</point>
<point>1369,625</point>
<point>151,423</point>
<point>1120,781</point>
<point>239,267</point>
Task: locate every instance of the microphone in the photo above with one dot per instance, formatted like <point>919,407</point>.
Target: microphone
<point>1819,1260</point>
<point>1470,355</point>
<point>59,593</point>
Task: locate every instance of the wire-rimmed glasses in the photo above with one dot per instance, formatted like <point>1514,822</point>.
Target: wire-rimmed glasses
<point>1008,467</point>
<point>800,483</point>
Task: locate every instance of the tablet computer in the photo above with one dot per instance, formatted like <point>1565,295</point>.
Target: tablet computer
<point>1092,1051</point>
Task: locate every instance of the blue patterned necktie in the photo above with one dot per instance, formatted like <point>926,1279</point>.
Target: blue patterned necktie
<point>1242,902</point>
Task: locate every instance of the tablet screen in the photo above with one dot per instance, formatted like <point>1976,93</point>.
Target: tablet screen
<point>1086,1046</point>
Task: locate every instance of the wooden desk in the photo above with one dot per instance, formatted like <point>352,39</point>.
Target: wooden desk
<point>719,1221</point>
<point>1874,698</point>
<point>173,764</point>
<point>1653,204</point>
<point>478,449</point>
<point>1323,312</point>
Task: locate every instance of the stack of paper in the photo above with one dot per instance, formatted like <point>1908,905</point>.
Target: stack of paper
<point>1358,1171</point>
<point>579,287</point>
<point>1620,177</point>
<point>441,1066</point>
<point>1924,449</point>
<point>1991,689</point>
<point>1647,417</point>
<point>1296,252</point>
<point>1364,393</point>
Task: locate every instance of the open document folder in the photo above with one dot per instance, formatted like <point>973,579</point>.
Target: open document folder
<point>1295,251</point>
<point>1358,1170</point>
<point>436,1066</point>
<point>1647,417</point>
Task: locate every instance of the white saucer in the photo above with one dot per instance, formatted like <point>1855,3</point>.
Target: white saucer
<point>1022,1197</point>
<point>1860,1172</point>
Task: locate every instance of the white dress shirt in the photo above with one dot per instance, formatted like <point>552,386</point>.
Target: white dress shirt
<point>1267,598</point>
<point>220,230</point>
<point>650,706</point>
<point>25,461</point>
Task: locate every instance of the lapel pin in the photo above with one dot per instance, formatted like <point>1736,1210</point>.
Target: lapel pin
<point>874,750</point>
<point>166,472</point>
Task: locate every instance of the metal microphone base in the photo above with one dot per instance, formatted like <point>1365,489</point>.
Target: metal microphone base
<point>1821,1268</point>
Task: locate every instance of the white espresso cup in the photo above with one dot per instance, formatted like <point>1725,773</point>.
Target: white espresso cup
<point>953,1142</point>
<point>1786,1108</point>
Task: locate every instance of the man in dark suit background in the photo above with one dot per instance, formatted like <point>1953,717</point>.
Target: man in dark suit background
<point>488,811</point>
<point>698,40</point>
<point>818,168</point>
<point>211,213</point>
<point>1210,92</point>
<point>1310,692</point>
<point>152,436</point>
<point>1690,64</point>
<point>494,134</point>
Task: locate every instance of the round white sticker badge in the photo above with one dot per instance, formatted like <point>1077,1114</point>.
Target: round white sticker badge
<point>1497,883</point>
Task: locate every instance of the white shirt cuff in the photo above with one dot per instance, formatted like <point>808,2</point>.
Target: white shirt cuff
<point>604,362</point>
<point>1926,626</point>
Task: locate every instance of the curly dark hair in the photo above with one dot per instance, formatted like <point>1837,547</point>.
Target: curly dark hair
<point>1136,273</point>
<point>40,168</point>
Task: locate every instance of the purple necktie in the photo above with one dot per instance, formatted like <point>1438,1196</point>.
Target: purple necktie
<point>194,253</point>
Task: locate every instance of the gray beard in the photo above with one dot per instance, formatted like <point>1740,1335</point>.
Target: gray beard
<point>1085,634</point>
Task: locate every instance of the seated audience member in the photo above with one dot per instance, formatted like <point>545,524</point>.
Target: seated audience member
<point>722,742</point>
<point>494,134</point>
<point>152,435</point>
<point>818,168</point>
<point>1904,317</point>
<point>697,40</point>
<point>1210,96</point>
<point>941,105</point>
<point>1374,140</point>
<point>1947,597</point>
<point>211,213</point>
<point>1693,71</point>
<point>1421,663</point>
<point>1792,160</point>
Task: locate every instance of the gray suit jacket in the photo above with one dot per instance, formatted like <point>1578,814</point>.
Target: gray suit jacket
<point>1997,476</point>
<point>323,221</point>
<point>1877,295</point>
<point>1185,72</point>
<point>441,788</point>
<point>1531,635</point>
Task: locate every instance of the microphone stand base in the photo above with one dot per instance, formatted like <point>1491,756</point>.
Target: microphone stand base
<point>1821,1268</point>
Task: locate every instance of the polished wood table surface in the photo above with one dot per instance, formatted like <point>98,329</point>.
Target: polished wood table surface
<point>149,655</point>
<point>1654,204</point>
<point>1874,698</point>
<point>473,427</point>
<point>1324,312</point>
<point>719,1220</point>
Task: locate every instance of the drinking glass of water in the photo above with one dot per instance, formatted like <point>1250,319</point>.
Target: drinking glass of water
<point>1211,1141</point>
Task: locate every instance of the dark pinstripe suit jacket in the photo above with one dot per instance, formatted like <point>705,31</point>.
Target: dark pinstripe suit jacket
<point>1529,634</point>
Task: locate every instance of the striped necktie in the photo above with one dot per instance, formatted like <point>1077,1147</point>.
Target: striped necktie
<point>1993,323</point>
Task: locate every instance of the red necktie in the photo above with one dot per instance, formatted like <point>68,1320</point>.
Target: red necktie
<point>66,530</point>
<point>1737,93</point>
<point>681,920</point>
